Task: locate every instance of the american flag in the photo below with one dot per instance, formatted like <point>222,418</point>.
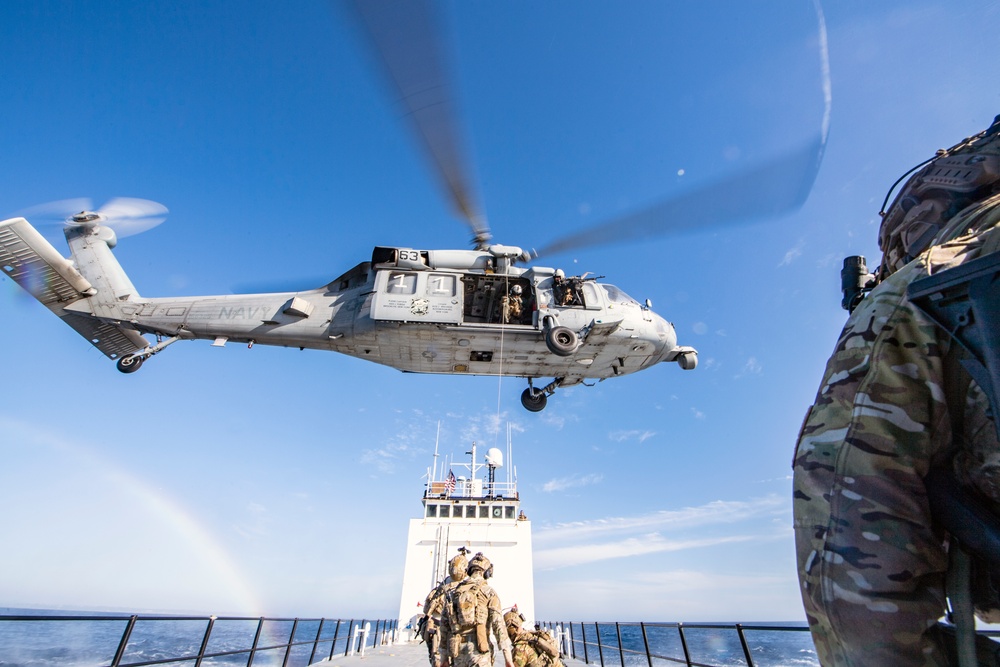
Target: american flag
<point>449,484</point>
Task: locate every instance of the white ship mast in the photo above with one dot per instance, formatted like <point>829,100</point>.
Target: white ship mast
<point>480,513</point>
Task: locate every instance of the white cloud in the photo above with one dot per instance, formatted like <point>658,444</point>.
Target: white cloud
<point>713,513</point>
<point>751,367</point>
<point>635,434</point>
<point>634,546</point>
<point>563,483</point>
<point>792,253</point>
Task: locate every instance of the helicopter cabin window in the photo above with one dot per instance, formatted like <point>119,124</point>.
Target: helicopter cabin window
<point>401,283</point>
<point>441,285</point>
<point>615,295</point>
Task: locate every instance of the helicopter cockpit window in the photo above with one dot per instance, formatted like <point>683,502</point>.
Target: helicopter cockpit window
<point>401,283</point>
<point>615,295</point>
<point>441,285</point>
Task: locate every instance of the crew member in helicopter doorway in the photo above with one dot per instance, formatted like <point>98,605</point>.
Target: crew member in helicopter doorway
<point>896,405</point>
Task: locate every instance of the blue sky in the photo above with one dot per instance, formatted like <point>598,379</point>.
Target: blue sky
<point>281,482</point>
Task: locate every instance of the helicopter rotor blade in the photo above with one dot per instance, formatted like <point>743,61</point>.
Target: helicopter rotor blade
<point>407,37</point>
<point>774,188</point>
<point>126,215</point>
<point>55,212</point>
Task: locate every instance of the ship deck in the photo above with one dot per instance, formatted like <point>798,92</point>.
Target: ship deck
<point>411,654</point>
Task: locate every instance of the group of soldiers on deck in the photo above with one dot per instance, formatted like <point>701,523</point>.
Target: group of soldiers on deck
<point>463,612</point>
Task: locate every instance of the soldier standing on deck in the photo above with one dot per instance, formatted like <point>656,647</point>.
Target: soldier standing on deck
<point>472,611</point>
<point>434,604</point>
<point>894,405</point>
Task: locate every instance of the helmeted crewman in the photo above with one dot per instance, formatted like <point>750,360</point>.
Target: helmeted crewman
<point>472,612</point>
<point>434,603</point>
<point>530,648</point>
<point>895,405</point>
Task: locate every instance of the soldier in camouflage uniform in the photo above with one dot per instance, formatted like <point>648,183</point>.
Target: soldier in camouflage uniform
<point>871,565</point>
<point>471,613</point>
<point>434,603</point>
<point>530,648</point>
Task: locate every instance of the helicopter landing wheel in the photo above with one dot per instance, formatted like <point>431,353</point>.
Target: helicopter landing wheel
<point>688,361</point>
<point>561,341</point>
<point>129,364</point>
<point>533,400</point>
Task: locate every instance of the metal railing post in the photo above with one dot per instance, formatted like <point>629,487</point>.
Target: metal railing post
<point>204,641</point>
<point>600,646</point>
<point>333,647</point>
<point>684,645</point>
<point>645,644</point>
<point>572,642</point>
<point>350,639</point>
<point>375,641</point>
<point>256,641</point>
<point>743,643</point>
<point>319,631</point>
<point>288,646</point>
<point>124,641</point>
<point>621,654</point>
<point>583,633</point>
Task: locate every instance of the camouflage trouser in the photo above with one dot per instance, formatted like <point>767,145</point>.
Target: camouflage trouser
<point>469,656</point>
<point>433,643</point>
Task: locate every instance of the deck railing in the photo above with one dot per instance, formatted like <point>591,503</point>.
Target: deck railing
<point>140,640</point>
<point>691,644</point>
<point>615,644</point>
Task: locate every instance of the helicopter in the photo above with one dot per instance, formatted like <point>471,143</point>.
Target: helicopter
<point>485,311</point>
<point>464,312</point>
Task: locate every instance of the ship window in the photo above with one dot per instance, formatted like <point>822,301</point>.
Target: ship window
<point>444,511</point>
<point>497,512</point>
<point>440,285</point>
<point>470,512</point>
<point>432,510</point>
<point>484,512</point>
<point>509,511</point>
<point>401,283</point>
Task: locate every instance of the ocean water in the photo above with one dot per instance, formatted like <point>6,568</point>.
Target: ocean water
<point>93,639</point>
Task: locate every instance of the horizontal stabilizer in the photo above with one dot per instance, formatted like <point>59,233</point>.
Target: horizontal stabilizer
<point>35,265</point>
<point>113,340</point>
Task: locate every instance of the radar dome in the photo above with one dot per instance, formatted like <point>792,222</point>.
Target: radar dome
<point>494,458</point>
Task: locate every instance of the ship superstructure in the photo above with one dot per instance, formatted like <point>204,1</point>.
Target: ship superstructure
<point>477,507</point>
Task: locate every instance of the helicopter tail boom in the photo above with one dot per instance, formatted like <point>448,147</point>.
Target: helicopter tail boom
<point>34,264</point>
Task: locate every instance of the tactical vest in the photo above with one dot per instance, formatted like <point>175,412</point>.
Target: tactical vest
<point>467,606</point>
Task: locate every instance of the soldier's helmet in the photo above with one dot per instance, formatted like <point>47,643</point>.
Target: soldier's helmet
<point>481,563</point>
<point>516,289</point>
<point>513,620</point>
<point>953,180</point>
<point>457,567</point>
